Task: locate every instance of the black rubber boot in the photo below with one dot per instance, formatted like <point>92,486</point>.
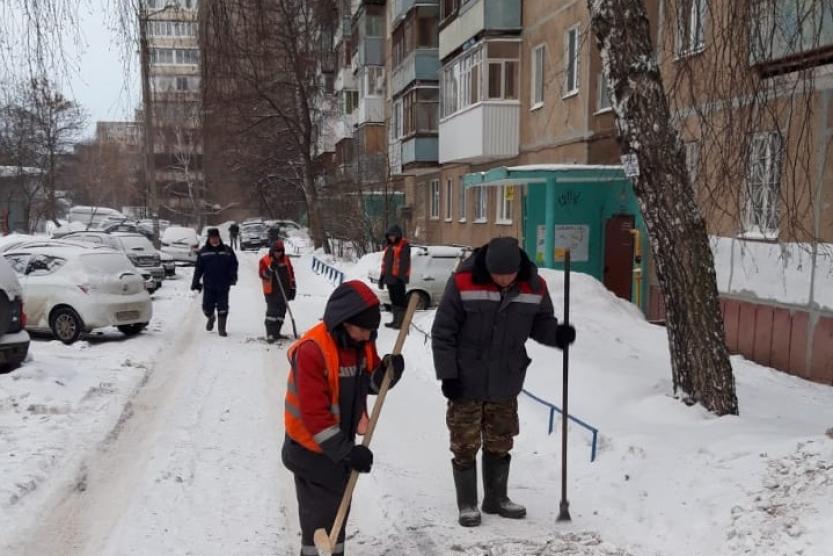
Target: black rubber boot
<point>209,324</point>
<point>495,479</point>
<point>221,325</point>
<point>465,483</point>
<point>396,320</point>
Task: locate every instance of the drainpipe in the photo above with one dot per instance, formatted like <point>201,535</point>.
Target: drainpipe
<point>549,223</point>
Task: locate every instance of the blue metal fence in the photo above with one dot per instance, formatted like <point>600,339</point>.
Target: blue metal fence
<point>554,408</point>
<point>333,275</point>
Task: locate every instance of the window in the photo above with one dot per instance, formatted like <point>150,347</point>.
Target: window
<point>181,83</point>
<point>349,101</point>
<point>462,200</point>
<point>480,205</point>
<point>692,161</point>
<point>790,35</point>
<point>449,195</point>
<point>420,111</point>
<point>763,184</point>
<point>449,8</point>
<point>435,199</point>
<point>372,83</point>
<point>375,26</point>
<point>396,116</point>
<point>486,71</point>
<point>537,87</point>
<point>571,51</point>
<point>602,95</point>
<point>505,196</point>
<point>690,19</point>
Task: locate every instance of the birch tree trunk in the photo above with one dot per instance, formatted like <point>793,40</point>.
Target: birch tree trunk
<point>679,242</point>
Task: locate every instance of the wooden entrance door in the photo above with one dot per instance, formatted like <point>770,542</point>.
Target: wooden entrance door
<point>619,245</point>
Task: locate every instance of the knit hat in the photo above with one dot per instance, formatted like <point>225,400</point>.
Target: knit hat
<point>503,256</point>
<point>369,318</point>
<point>277,245</point>
<point>213,232</point>
<point>352,299</point>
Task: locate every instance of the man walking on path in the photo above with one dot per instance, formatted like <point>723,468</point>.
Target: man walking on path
<point>396,270</point>
<point>234,235</point>
<point>217,267</point>
<point>333,367</point>
<point>276,267</point>
<point>490,307</point>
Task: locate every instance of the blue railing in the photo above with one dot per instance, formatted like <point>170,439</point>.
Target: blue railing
<point>333,275</point>
<point>554,408</point>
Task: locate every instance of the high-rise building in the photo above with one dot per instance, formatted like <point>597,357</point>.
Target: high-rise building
<point>174,73</point>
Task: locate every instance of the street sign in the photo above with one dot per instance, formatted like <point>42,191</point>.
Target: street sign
<point>630,164</point>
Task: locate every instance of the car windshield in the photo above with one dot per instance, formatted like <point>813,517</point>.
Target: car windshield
<point>182,235</point>
<point>136,243</point>
<point>106,263</point>
<point>253,228</point>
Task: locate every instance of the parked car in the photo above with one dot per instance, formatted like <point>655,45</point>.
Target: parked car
<point>130,227</point>
<point>94,217</point>
<point>254,235</point>
<point>70,290</point>
<point>168,263</point>
<point>14,340</point>
<point>181,244</point>
<point>138,249</point>
<point>431,267</point>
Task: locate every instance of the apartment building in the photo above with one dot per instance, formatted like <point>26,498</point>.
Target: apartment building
<point>172,31</point>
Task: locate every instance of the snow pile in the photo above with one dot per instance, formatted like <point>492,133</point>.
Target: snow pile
<point>298,242</point>
<point>369,265</point>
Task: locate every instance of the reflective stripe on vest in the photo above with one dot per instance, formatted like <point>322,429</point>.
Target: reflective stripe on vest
<point>471,291</point>
<point>295,427</point>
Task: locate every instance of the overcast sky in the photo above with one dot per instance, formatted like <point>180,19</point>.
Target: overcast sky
<point>99,83</point>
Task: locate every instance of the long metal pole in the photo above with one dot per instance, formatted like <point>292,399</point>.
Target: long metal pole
<point>564,507</point>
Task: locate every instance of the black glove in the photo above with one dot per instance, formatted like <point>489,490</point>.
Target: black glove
<point>196,287</point>
<point>565,335</point>
<point>360,459</point>
<point>290,295</point>
<point>398,367</point>
<point>452,388</point>
<point>267,272</point>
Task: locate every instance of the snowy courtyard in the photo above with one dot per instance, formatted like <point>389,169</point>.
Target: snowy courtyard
<point>169,444</point>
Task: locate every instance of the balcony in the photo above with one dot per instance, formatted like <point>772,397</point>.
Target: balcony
<point>371,51</point>
<point>421,65</point>
<point>371,110</point>
<point>482,132</point>
<point>345,80</point>
<point>419,151</point>
<point>402,7</point>
<point>478,16</point>
<point>342,31</point>
<point>344,127</point>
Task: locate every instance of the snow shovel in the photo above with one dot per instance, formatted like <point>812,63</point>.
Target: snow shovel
<point>288,308</point>
<point>564,506</point>
<point>325,542</point>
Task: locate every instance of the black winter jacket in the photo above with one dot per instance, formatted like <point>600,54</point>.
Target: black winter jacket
<point>217,266</point>
<point>479,331</point>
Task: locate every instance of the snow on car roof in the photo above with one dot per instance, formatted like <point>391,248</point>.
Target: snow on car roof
<point>63,249</point>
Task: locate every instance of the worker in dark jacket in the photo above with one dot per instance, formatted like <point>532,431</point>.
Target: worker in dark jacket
<point>278,279</point>
<point>396,270</point>
<point>333,368</point>
<point>490,307</point>
<point>234,235</point>
<point>217,268</point>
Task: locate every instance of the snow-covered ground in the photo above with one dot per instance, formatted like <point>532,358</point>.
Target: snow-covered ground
<point>169,444</point>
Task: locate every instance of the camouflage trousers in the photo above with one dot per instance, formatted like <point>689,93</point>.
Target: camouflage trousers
<point>475,423</point>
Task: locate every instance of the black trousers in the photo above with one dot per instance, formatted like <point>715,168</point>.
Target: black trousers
<point>235,242</point>
<point>275,314</point>
<point>397,294</point>
<point>215,298</point>
<point>317,508</point>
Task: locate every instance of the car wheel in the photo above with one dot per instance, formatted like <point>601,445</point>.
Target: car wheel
<point>132,329</point>
<point>66,325</point>
<point>424,301</point>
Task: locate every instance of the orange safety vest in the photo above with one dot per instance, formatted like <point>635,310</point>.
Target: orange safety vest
<point>295,427</point>
<point>397,259</point>
<point>265,262</point>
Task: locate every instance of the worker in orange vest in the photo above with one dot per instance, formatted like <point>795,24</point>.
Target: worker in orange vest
<point>275,266</point>
<point>396,271</point>
<point>334,366</point>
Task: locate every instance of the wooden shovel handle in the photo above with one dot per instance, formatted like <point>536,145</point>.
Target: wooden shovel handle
<point>322,539</point>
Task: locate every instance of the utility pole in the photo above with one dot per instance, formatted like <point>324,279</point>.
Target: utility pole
<point>147,108</point>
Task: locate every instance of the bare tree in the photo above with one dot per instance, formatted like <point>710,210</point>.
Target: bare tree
<point>679,242</point>
<point>269,55</point>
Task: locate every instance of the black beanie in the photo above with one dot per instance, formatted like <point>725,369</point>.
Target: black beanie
<point>503,256</point>
<point>213,232</point>
<point>369,318</point>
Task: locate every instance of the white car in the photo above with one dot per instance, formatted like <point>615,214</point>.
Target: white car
<point>181,243</point>
<point>14,340</point>
<point>71,290</point>
<point>431,267</point>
